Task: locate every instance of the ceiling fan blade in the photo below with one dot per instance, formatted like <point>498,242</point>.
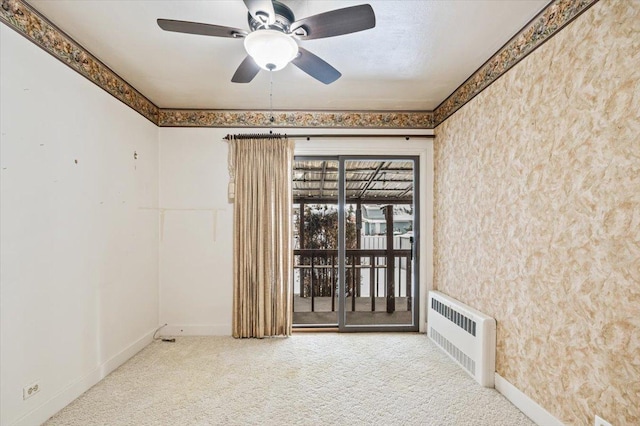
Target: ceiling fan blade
<point>334,23</point>
<point>316,67</point>
<point>246,71</point>
<point>261,10</point>
<point>200,29</point>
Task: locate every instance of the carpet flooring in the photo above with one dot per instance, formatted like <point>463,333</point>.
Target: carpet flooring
<point>306,379</point>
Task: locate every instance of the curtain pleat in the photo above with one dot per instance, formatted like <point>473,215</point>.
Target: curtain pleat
<point>263,256</point>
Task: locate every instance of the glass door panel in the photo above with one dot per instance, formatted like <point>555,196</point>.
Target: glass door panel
<point>379,225</point>
<point>315,218</point>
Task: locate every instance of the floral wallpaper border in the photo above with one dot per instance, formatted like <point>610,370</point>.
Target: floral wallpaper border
<point>548,22</point>
<point>321,119</point>
<point>28,22</point>
<point>35,27</point>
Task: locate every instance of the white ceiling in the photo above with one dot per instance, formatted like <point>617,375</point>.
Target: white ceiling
<point>419,52</point>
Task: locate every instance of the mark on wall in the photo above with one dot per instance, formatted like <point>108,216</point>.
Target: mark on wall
<point>163,211</point>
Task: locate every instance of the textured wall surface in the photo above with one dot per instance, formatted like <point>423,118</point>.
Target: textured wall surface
<point>537,216</point>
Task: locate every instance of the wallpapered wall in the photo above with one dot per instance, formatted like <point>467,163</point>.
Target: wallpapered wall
<point>537,216</point>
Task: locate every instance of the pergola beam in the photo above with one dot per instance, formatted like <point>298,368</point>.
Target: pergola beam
<point>364,200</point>
<point>324,173</point>
<point>405,192</point>
<point>367,170</point>
<point>354,180</point>
<point>371,179</point>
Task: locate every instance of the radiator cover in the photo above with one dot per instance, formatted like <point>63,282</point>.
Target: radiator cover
<point>465,334</point>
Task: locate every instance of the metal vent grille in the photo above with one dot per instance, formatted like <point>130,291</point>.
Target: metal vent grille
<point>453,350</point>
<point>462,321</point>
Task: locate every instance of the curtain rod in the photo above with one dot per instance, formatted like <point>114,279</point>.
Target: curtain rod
<point>254,136</point>
<point>329,135</point>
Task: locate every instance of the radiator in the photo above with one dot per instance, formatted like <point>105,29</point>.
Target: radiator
<point>465,334</point>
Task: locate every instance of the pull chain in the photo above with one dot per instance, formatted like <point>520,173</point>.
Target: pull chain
<point>271,118</point>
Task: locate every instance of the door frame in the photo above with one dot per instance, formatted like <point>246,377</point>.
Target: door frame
<point>399,142</point>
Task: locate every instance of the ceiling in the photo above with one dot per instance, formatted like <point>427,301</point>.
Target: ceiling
<point>419,52</point>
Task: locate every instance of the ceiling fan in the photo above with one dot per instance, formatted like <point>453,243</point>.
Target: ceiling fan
<point>271,42</point>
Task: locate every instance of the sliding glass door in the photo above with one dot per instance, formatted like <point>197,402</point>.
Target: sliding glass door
<point>356,233</point>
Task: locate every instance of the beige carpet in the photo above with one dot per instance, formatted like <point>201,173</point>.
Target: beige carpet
<point>307,379</point>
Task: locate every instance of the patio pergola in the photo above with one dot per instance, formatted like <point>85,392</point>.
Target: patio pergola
<point>375,182</point>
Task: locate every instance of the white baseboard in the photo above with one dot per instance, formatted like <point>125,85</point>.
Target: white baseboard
<point>196,330</point>
<point>525,404</point>
<point>69,393</point>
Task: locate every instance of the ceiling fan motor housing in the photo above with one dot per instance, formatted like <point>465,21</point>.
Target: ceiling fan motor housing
<point>283,21</point>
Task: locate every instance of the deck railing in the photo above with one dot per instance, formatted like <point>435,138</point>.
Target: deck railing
<point>318,275</point>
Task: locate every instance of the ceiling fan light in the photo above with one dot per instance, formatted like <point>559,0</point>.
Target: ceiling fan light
<point>271,49</point>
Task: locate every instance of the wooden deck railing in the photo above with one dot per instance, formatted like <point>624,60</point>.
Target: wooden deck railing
<point>318,274</point>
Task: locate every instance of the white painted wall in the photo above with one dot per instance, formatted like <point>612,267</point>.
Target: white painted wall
<point>79,257</point>
<point>196,269</point>
<point>196,233</point>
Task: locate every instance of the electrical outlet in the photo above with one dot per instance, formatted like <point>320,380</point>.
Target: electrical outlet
<point>601,422</point>
<point>30,390</point>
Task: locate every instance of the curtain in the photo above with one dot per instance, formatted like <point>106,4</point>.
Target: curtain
<point>260,170</point>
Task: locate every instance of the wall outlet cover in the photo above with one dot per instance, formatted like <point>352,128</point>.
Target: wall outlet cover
<point>30,390</point>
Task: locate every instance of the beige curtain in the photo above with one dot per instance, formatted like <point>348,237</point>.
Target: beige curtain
<point>263,259</point>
